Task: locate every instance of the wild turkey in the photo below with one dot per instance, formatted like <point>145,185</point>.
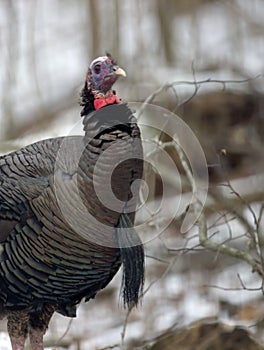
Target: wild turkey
<point>62,238</point>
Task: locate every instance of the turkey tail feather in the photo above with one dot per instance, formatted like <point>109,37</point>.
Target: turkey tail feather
<point>132,257</point>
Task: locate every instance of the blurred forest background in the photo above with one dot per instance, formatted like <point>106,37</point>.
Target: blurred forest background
<point>208,57</point>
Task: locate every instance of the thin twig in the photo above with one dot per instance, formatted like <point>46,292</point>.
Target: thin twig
<point>65,332</point>
<point>232,289</point>
<point>216,81</point>
<point>123,333</point>
<point>184,163</point>
<point>109,347</point>
<point>196,84</point>
<point>254,231</point>
<point>207,243</point>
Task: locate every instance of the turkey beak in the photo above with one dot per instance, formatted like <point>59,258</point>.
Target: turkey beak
<point>120,72</point>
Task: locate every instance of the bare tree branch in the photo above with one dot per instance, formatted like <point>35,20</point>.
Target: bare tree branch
<point>205,242</point>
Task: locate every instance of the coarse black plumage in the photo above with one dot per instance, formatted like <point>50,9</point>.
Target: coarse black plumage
<point>67,213</point>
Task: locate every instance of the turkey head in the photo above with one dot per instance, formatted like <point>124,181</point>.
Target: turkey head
<point>103,73</point>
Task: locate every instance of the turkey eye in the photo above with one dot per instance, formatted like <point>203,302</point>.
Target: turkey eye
<point>97,69</point>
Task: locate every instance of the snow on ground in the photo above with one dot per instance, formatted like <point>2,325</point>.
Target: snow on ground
<point>188,292</point>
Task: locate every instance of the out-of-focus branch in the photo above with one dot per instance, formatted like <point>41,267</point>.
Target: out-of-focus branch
<point>94,22</point>
<point>7,125</point>
<point>206,242</point>
<point>222,248</point>
<point>194,83</point>
<point>218,203</point>
<point>237,11</point>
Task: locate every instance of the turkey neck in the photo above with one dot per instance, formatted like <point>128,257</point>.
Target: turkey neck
<point>107,119</point>
<point>110,163</point>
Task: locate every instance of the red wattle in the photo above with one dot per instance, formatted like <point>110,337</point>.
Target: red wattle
<point>104,101</point>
